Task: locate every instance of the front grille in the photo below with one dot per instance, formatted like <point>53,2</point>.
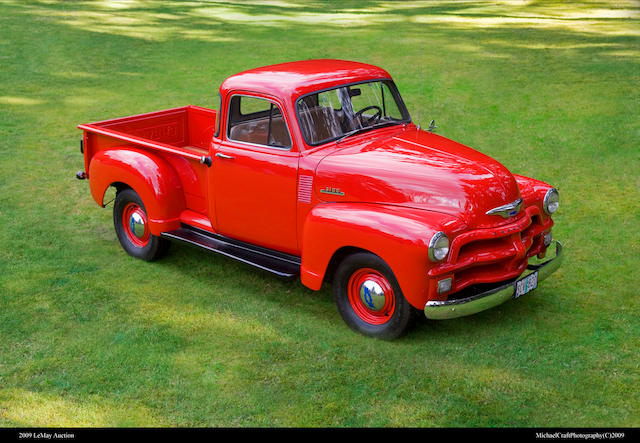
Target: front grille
<point>493,255</point>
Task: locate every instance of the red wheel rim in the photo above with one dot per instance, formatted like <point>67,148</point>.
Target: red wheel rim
<point>134,222</point>
<point>371,296</point>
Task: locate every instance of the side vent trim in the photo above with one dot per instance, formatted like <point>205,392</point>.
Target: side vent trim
<point>305,188</point>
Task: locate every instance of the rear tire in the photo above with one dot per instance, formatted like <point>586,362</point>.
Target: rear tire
<point>132,227</point>
<point>369,297</point>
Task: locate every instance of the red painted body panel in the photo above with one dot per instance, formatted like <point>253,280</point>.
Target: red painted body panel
<point>255,196</point>
<point>414,168</point>
<point>289,81</point>
<point>390,188</point>
<point>155,181</point>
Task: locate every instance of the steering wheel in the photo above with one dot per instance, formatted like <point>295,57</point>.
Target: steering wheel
<point>371,119</point>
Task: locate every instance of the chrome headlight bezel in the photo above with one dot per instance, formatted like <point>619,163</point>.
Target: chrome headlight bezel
<point>551,201</point>
<point>438,247</point>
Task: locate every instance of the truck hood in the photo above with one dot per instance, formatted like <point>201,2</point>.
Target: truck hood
<point>418,169</point>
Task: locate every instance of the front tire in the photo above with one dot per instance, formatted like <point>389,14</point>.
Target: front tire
<point>132,227</point>
<point>369,298</point>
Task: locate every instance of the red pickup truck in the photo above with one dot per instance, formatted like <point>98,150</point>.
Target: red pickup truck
<point>314,169</point>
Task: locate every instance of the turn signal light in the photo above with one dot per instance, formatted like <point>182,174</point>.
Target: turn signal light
<point>444,285</point>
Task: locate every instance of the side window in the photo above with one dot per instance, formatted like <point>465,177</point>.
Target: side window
<point>258,121</point>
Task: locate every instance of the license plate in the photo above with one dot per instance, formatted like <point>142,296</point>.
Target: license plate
<point>527,284</point>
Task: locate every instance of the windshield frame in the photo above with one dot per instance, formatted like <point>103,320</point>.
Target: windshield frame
<point>406,118</point>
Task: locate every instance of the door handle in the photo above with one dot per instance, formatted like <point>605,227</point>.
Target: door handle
<point>221,155</point>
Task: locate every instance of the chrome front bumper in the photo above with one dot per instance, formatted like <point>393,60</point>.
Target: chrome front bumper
<point>443,310</point>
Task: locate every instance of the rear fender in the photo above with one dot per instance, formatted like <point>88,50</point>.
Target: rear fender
<point>399,236</point>
<point>152,177</point>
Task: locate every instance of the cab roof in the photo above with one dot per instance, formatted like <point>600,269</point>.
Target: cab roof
<point>294,79</point>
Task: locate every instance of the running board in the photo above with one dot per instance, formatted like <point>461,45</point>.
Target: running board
<point>278,263</point>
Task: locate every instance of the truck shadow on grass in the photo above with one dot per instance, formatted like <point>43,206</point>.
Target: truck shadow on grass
<point>245,286</point>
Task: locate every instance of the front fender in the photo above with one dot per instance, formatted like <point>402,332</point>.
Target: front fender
<point>532,192</point>
<point>152,177</point>
<point>398,235</point>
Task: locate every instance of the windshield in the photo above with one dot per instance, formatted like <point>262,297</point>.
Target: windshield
<point>331,114</point>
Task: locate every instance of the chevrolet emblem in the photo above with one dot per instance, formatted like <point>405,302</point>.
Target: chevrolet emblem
<point>508,210</point>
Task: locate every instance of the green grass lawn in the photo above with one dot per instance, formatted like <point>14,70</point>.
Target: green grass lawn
<point>92,337</point>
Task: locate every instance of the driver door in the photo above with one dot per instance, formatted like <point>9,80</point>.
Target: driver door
<point>254,180</point>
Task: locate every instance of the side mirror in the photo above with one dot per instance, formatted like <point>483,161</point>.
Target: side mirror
<point>432,126</point>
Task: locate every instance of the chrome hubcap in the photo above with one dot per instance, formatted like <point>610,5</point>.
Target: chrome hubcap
<point>372,295</point>
<point>136,225</point>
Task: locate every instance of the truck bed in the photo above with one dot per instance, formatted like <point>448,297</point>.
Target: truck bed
<point>181,136</point>
<point>185,131</point>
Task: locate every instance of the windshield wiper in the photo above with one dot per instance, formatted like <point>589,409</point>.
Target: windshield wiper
<point>366,128</point>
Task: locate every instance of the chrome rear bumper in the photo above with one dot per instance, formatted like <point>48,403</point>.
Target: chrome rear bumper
<point>442,310</point>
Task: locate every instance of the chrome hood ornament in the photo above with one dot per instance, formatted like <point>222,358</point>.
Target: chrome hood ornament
<point>508,210</point>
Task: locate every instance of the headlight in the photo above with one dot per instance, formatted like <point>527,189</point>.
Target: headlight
<point>551,201</point>
<point>438,246</point>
